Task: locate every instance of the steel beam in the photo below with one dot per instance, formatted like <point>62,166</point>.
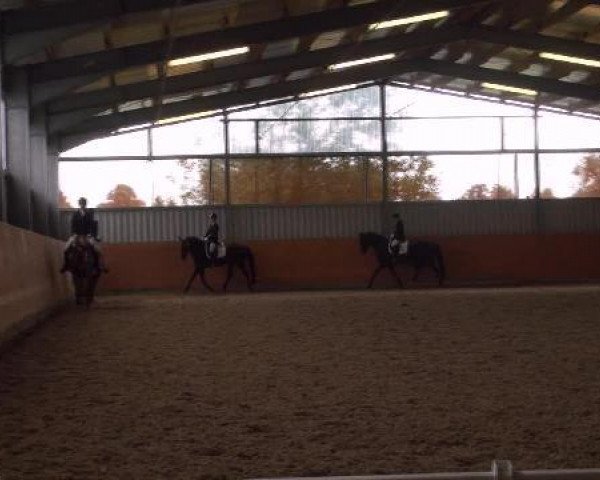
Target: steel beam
<point>290,27</point>
<point>109,123</point>
<point>19,46</point>
<point>72,121</point>
<point>540,84</point>
<point>76,12</point>
<point>44,92</point>
<point>245,71</point>
<point>535,41</point>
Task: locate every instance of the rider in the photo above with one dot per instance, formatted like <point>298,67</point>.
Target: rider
<point>398,245</point>
<point>212,238</point>
<point>83,225</point>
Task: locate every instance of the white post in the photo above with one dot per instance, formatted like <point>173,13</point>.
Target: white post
<point>502,470</point>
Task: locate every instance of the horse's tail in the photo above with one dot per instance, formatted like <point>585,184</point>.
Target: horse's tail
<point>441,265</point>
<point>252,265</point>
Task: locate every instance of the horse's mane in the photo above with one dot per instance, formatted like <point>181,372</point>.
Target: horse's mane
<point>370,236</point>
<point>191,240</point>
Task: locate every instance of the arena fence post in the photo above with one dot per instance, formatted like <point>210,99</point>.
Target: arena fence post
<point>502,470</point>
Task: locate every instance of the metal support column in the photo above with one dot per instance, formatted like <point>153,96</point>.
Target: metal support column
<point>516,175</point>
<point>536,166</point>
<point>40,195</point>
<point>3,159</point>
<point>18,151</point>
<point>536,147</point>
<point>257,136</point>
<point>54,226</point>
<point>384,157</point>
<point>229,224</point>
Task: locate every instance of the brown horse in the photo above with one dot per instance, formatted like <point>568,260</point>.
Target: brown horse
<point>237,256</point>
<point>420,255</point>
<point>82,262</point>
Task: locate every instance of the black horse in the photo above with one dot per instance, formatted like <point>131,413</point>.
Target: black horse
<point>420,254</point>
<point>236,255</point>
<point>82,262</point>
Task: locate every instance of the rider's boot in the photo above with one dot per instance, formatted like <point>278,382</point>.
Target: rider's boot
<point>100,265</point>
<point>64,267</point>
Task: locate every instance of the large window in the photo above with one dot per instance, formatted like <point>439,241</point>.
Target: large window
<point>570,175</point>
<point>122,145</point>
<point>304,180</point>
<point>328,149</point>
<point>461,177</point>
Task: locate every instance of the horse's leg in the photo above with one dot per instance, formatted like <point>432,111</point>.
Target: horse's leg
<point>435,268</point>
<point>189,284</point>
<point>417,272</point>
<point>395,274</point>
<point>204,282</point>
<point>77,288</point>
<point>92,291</point>
<point>229,275</point>
<point>89,294</point>
<point>245,272</point>
<point>375,273</point>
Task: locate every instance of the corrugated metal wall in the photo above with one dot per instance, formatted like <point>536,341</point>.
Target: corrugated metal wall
<point>338,221</point>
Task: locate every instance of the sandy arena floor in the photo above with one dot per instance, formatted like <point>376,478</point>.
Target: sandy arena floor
<point>227,387</point>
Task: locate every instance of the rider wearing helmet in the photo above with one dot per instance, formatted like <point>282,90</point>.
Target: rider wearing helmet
<point>83,225</point>
<point>398,245</point>
<point>212,238</point>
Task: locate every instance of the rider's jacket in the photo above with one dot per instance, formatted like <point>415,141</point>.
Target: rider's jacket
<point>399,231</point>
<point>212,234</point>
<point>83,223</point>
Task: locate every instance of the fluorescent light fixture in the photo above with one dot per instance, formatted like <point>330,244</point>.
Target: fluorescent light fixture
<point>408,20</point>
<point>325,91</point>
<point>508,88</point>
<point>133,127</point>
<point>239,107</point>
<point>275,100</point>
<point>362,61</point>
<point>191,116</point>
<point>588,62</point>
<point>209,56</point>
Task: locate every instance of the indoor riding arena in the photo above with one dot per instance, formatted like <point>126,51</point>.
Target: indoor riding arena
<point>320,152</point>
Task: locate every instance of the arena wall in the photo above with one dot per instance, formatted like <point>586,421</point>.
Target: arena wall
<point>337,262</point>
<point>30,283</point>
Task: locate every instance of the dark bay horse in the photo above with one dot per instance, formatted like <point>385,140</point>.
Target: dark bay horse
<point>82,262</point>
<point>420,255</point>
<point>236,256</point>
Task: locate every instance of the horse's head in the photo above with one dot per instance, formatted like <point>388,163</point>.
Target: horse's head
<point>185,247</point>
<point>189,245</point>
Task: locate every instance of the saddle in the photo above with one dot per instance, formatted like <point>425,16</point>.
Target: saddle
<point>397,248</point>
<point>220,253</point>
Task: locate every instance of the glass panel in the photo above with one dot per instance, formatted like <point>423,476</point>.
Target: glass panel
<point>295,181</point>
<point>570,174</point>
<point>169,182</point>
<point>361,102</point>
<point>375,180</point>
<point>444,134</point>
<point>189,138</point>
<point>242,137</point>
<point>126,144</point>
<point>564,131</point>
<point>417,103</point>
<point>320,136</point>
<point>452,177</point>
<point>96,180</point>
<point>203,181</point>
<point>519,133</point>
